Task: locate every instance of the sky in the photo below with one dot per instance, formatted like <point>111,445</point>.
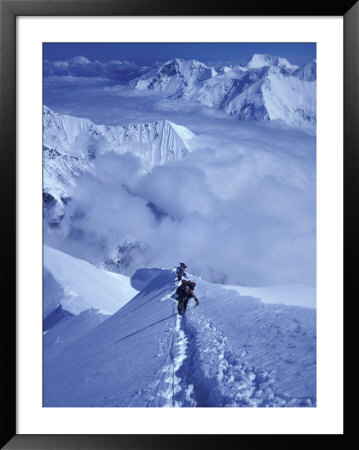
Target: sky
<point>296,53</point>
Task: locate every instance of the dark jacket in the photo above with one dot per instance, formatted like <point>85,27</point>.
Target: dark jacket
<point>192,295</point>
<point>187,293</point>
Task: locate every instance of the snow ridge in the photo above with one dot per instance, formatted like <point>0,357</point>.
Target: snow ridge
<point>203,371</point>
<point>194,361</point>
<point>153,143</point>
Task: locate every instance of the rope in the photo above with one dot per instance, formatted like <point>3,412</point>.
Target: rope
<point>173,364</point>
<point>172,359</point>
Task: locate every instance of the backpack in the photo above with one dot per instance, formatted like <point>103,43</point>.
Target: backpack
<point>181,291</point>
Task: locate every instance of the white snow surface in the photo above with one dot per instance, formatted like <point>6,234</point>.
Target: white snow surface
<point>231,351</point>
<point>287,294</point>
<point>77,285</point>
<point>289,98</point>
<point>263,60</point>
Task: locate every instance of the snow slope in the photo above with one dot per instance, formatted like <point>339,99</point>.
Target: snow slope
<point>231,351</point>
<point>288,294</point>
<point>289,98</point>
<point>77,285</point>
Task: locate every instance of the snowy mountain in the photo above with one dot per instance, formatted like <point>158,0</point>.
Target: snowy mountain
<point>260,60</point>
<point>153,143</point>
<point>289,98</point>
<point>75,146</point>
<point>71,144</point>
<point>266,87</point>
<point>308,72</point>
<point>231,351</point>
<point>176,77</point>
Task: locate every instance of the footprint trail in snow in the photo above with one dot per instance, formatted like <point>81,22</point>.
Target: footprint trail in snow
<point>204,371</point>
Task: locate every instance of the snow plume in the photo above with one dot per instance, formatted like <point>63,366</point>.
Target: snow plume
<point>238,209</point>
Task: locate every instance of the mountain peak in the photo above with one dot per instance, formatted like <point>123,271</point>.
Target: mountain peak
<point>183,65</point>
<point>259,60</point>
<point>175,77</point>
<point>184,133</point>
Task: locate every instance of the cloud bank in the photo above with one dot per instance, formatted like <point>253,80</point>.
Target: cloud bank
<point>240,209</point>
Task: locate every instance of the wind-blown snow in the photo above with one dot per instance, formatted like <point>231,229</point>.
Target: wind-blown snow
<point>231,351</point>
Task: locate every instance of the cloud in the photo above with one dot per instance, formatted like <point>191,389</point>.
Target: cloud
<point>79,66</point>
<point>240,208</point>
<point>177,190</point>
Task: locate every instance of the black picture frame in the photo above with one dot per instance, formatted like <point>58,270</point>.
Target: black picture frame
<point>9,10</point>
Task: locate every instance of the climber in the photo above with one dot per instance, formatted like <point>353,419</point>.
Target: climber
<point>180,272</point>
<point>184,293</point>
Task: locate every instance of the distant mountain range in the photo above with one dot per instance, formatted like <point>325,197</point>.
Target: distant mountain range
<point>266,87</point>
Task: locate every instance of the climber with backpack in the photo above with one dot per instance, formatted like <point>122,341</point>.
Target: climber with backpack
<point>180,272</point>
<point>184,293</point>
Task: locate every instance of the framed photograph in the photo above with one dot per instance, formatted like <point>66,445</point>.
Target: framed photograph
<point>177,242</point>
